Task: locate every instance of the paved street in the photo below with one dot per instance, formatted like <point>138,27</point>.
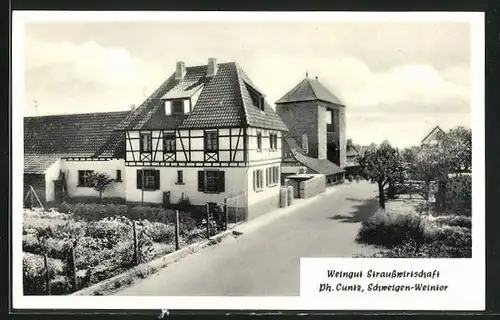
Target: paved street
<point>265,261</point>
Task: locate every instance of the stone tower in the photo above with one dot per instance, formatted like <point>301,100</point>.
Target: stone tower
<point>313,113</point>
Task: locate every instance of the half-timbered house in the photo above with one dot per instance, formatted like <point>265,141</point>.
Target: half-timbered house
<point>206,134</point>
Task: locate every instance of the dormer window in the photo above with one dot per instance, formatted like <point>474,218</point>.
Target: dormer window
<point>177,107</point>
<point>261,103</point>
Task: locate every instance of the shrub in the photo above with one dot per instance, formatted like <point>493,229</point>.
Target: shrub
<point>453,220</point>
<point>390,229</point>
<point>458,196</point>
<point>34,273</point>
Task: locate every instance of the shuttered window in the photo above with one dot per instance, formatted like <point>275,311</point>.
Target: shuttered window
<point>178,107</point>
<point>150,179</point>
<point>211,181</point>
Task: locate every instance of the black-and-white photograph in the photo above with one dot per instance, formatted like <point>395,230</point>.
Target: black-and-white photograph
<point>207,157</point>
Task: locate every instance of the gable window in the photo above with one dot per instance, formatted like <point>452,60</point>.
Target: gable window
<point>148,179</point>
<point>180,177</point>
<point>259,141</point>
<point>169,142</point>
<point>258,180</point>
<point>145,143</point>
<point>211,141</point>
<point>118,175</point>
<point>211,181</point>
<point>178,107</point>
<point>273,141</point>
<point>83,180</point>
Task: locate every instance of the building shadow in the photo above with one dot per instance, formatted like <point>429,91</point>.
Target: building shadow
<point>362,212</point>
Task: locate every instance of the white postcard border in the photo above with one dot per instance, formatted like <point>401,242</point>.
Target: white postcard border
<point>264,303</point>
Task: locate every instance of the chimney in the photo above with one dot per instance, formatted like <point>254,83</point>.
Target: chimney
<point>212,67</point>
<point>180,70</point>
<point>132,107</point>
<point>349,142</point>
<point>305,145</point>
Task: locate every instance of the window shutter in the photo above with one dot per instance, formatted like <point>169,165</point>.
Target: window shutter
<point>139,179</point>
<point>201,181</point>
<point>255,180</point>
<point>157,179</point>
<point>168,108</point>
<point>221,182</point>
<point>186,106</point>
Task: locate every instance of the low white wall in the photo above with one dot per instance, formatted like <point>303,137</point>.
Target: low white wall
<point>116,189</point>
<point>51,174</point>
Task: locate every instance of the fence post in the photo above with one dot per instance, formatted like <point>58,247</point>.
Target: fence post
<point>226,214</point>
<point>73,269</point>
<point>207,207</point>
<point>136,249</point>
<point>47,275</point>
<point>177,230</point>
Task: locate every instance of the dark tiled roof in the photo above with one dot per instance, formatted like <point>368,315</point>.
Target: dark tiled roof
<point>224,101</point>
<point>309,90</point>
<point>84,135</point>
<point>38,163</point>
<point>322,166</point>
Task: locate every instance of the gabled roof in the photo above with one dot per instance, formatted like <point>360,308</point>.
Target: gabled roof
<point>224,101</point>
<point>322,166</point>
<point>309,90</point>
<point>436,133</point>
<point>73,135</point>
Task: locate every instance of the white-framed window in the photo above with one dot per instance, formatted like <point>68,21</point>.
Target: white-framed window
<point>83,180</point>
<point>273,141</point>
<point>258,181</point>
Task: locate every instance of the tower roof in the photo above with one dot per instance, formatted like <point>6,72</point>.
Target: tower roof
<point>309,90</point>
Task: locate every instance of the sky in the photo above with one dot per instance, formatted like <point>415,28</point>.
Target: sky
<point>397,79</point>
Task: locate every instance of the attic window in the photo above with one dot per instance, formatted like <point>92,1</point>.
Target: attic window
<point>257,98</point>
<point>177,107</point>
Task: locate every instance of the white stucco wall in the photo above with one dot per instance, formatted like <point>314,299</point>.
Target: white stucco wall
<point>51,174</point>
<point>117,189</point>
<point>234,184</point>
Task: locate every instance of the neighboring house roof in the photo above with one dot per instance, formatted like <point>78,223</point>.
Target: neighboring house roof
<point>48,138</point>
<point>322,166</point>
<point>38,163</point>
<point>435,134</point>
<point>309,90</point>
<point>224,101</point>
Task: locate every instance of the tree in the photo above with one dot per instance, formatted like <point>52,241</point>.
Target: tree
<point>435,163</point>
<point>99,181</point>
<point>383,165</point>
